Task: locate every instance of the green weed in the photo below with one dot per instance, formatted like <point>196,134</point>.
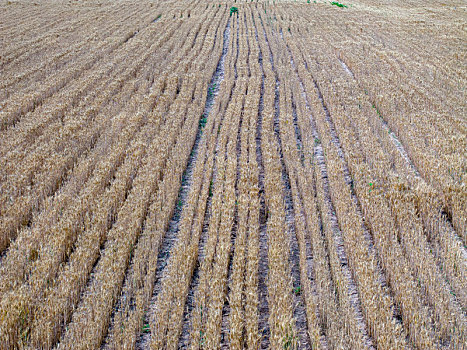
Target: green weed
<point>338,4</point>
<point>233,9</point>
<point>203,121</point>
<point>146,328</point>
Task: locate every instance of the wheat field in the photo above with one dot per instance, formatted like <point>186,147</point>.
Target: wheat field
<point>233,175</point>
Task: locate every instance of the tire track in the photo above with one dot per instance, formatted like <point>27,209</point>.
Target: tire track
<point>263,269</point>
<point>299,312</point>
<point>337,234</point>
<point>187,180</point>
<point>215,88</point>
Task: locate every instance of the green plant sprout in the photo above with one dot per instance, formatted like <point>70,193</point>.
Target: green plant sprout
<point>146,328</point>
<point>233,9</point>
<point>203,121</point>
<point>338,4</point>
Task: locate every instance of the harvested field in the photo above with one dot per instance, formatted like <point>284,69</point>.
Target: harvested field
<point>233,175</point>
